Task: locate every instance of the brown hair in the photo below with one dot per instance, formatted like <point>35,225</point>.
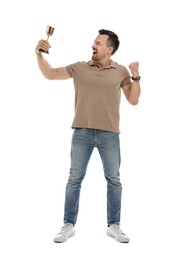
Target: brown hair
<point>112,40</point>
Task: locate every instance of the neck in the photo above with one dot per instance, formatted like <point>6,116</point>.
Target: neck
<point>103,63</point>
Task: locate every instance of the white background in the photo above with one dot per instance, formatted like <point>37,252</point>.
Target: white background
<point>35,134</point>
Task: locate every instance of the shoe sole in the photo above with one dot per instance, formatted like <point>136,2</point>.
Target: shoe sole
<point>61,241</point>
<point>122,241</point>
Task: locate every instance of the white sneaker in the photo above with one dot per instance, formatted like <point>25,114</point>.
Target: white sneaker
<point>66,231</point>
<point>114,231</point>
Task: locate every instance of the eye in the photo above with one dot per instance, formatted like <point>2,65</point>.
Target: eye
<point>97,43</point>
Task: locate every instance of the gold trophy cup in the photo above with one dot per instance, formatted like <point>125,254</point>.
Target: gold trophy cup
<point>49,32</point>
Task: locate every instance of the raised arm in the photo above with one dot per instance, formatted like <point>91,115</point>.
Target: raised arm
<point>132,91</point>
<point>47,70</point>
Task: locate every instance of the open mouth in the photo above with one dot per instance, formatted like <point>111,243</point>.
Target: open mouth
<point>94,52</point>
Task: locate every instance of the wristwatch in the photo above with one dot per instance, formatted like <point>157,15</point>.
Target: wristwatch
<point>136,79</point>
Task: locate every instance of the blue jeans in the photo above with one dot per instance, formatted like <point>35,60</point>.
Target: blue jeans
<point>83,142</point>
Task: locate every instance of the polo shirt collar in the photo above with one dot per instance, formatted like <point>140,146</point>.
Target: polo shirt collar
<point>112,65</point>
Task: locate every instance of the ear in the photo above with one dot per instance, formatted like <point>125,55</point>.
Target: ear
<point>110,50</point>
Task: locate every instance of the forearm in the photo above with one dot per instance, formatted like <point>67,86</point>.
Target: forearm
<point>44,66</point>
<point>134,93</point>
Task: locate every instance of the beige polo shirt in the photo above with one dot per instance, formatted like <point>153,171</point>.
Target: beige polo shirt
<point>97,94</point>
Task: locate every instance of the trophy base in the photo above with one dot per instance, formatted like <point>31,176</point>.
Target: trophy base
<point>41,50</point>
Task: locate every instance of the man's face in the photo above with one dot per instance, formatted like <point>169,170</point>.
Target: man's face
<point>100,48</point>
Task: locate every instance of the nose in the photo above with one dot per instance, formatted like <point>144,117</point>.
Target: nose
<point>93,46</point>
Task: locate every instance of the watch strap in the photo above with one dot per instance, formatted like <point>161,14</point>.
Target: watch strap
<point>136,79</point>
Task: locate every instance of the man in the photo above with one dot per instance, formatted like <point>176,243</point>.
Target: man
<point>98,84</point>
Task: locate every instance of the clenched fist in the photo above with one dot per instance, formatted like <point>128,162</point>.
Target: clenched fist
<point>134,69</point>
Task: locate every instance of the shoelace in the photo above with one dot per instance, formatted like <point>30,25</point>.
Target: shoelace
<point>65,228</point>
